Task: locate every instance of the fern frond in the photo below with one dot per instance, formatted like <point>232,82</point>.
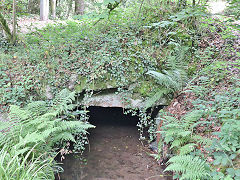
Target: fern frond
<point>18,114</point>
<point>187,148</point>
<point>4,125</point>
<point>178,142</point>
<point>48,132</point>
<point>38,123</point>
<point>29,138</point>
<point>188,166</point>
<point>158,95</point>
<point>37,108</point>
<point>201,122</point>
<point>175,167</point>
<point>202,140</point>
<point>176,59</point>
<point>183,133</point>
<point>63,100</point>
<point>170,82</point>
<point>65,136</point>
<point>171,119</point>
<point>165,79</point>
<point>191,117</point>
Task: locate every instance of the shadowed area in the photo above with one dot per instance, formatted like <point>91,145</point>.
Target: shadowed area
<point>115,151</point>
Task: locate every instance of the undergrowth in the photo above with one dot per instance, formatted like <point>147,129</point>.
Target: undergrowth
<point>35,134</point>
<point>149,53</point>
<point>201,127</point>
<point>116,52</point>
<point>120,50</point>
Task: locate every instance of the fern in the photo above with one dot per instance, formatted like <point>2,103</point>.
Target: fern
<point>170,81</point>
<point>40,123</point>
<point>177,60</point>
<point>189,167</point>
<point>191,117</point>
<point>66,136</point>
<point>171,78</point>
<point>38,128</point>
<point>37,108</point>
<point>157,96</point>
<point>167,79</point>
<point>63,101</point>
<point>186,149</point>
<point>178,142</point>
<point>202,140</point>
<point>179,133</point>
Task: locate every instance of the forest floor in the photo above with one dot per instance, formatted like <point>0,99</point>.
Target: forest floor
<point>29,24</point>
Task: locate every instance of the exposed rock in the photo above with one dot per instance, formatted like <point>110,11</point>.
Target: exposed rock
<point>72,81</point>
<point>153,146</point>
<point>115,100</point>
<point>49,94</point>
<point>3,117</point>
<point>108,100</point>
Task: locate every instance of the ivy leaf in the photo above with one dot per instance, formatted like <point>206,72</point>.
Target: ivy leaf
<point>237,172</point>
<point>218,160</point>
<point>231,171</point>
<point>233,156</point>
<point>225,161</point>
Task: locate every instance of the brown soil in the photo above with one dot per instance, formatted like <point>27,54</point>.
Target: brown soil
<point>115,153</point>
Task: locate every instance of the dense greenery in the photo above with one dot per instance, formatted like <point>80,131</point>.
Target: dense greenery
<point>33,133</point>
<point>233,8</point>
<point>209,131</point>
<point>146,50</point>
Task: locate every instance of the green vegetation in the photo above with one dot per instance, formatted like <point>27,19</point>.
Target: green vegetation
<point>14,165</point>
<point>209,131</point>
<point>30,138</point>
<point>233,8</point>
<point>148,50</point>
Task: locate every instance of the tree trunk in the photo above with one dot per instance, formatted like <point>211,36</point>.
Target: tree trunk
<point>193,3</point>
<point>54,9</point>
<point>14,34</point>
<point>44,10</point>
<point>69,8</point>
<point>79,7</point>
<point>5,27</point>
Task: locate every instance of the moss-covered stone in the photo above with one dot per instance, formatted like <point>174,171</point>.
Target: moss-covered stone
<point>82,85</point>
<point>145,88</point>
<point>96,84</point>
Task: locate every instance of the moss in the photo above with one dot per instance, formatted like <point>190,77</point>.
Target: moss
<point>136,96</point>
<point>97,84</point>
<point>83,82</point>
<point>145,88</point>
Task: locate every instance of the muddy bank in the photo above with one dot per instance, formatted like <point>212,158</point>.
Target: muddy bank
<point>115,152</point>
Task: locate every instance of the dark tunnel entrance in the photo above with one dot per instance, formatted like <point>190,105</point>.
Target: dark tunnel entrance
<point>111,116</point>
<point>114,150</point>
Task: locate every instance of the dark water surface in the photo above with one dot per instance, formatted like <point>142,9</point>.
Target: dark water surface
<point>115,152</point>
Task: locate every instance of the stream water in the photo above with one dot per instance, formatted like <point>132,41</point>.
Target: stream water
<point>114,153</point>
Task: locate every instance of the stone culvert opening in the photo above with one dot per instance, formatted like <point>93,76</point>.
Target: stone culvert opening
<point>114,151</point>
